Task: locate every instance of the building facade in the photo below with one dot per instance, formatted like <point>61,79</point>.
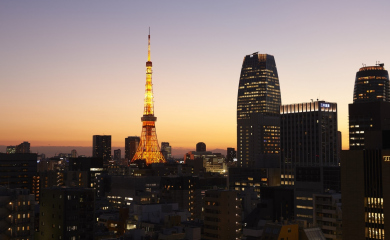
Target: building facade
<point>67,213</point>
<point>17,170</point>
<point>166,150</point>
<point>365,192</point>
<point>308,137</point>
<point>102,147</point>
<point>131,145</point>
<point>222,215</point>
<point>258,119</point>
<point>24,147</point>
<point>16,214</point>
<point>328,215</point>
<point>11,149</point>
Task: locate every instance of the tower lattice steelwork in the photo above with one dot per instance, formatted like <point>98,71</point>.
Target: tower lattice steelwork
<point>148,148</point>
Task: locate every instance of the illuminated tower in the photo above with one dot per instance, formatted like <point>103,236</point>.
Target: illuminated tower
<point>148,148</point>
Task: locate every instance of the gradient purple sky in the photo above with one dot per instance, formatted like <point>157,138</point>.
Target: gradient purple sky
<point>72,69</point>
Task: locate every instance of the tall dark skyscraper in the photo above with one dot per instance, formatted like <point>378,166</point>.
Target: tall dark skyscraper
<point>201,147</point>
<point>258,118</point>
<point>131,145</point>
<point>365,167</point>
<point>371,103</point>
<point>102,147</point>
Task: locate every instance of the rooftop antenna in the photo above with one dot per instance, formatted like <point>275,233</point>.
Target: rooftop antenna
<point>311,99</point>
<point>149,46</point>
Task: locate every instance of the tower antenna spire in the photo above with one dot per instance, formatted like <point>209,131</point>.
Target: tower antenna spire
<point>149,46</point>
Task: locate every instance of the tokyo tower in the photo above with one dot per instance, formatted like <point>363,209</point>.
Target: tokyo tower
<point>148,148</point>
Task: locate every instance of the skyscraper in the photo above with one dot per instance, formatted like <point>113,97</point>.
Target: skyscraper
<point>308,137</point>
<point>24,147</point>
<point>148,149</point>
<point>131,145</point>
<point>166,150</point>
<point>309,152</point>
<point>258,118</point>
<point>371,103</point>
<point>372,84</point>
<point>365,167</point>
<point>102,147</point>
<point>201,147</point>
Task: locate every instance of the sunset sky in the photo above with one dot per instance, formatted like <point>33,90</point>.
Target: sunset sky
<point>73,69</point>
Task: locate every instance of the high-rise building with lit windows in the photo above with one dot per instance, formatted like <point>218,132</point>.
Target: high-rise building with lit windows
<point>308,137</point>
<point>371,104</point>
<point>309,152</point>
<point>258,119</point>
<point>372,84</point>
<point>365,166</point>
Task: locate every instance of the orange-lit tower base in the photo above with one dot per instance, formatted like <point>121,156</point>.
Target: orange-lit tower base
<point>148,148</point>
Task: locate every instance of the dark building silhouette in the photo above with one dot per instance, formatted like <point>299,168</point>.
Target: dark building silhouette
<point>370,108</point>
<point>17,170</point>
<point>185,191</point>
<point>24,147</point>
<point>102,147</point>
<point>258,118</point>
<point>222,215</point>
<point>231,154</point>
<point>117,154</point>
<point>67,213</point>
<point>366,117</point>
<point>365,193</point>
<point>365,167</point>
<point>201,147</point>
<point>92,166</point>
<point>131,145</point>
<point>276,203</point>
<point>166,150</point>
